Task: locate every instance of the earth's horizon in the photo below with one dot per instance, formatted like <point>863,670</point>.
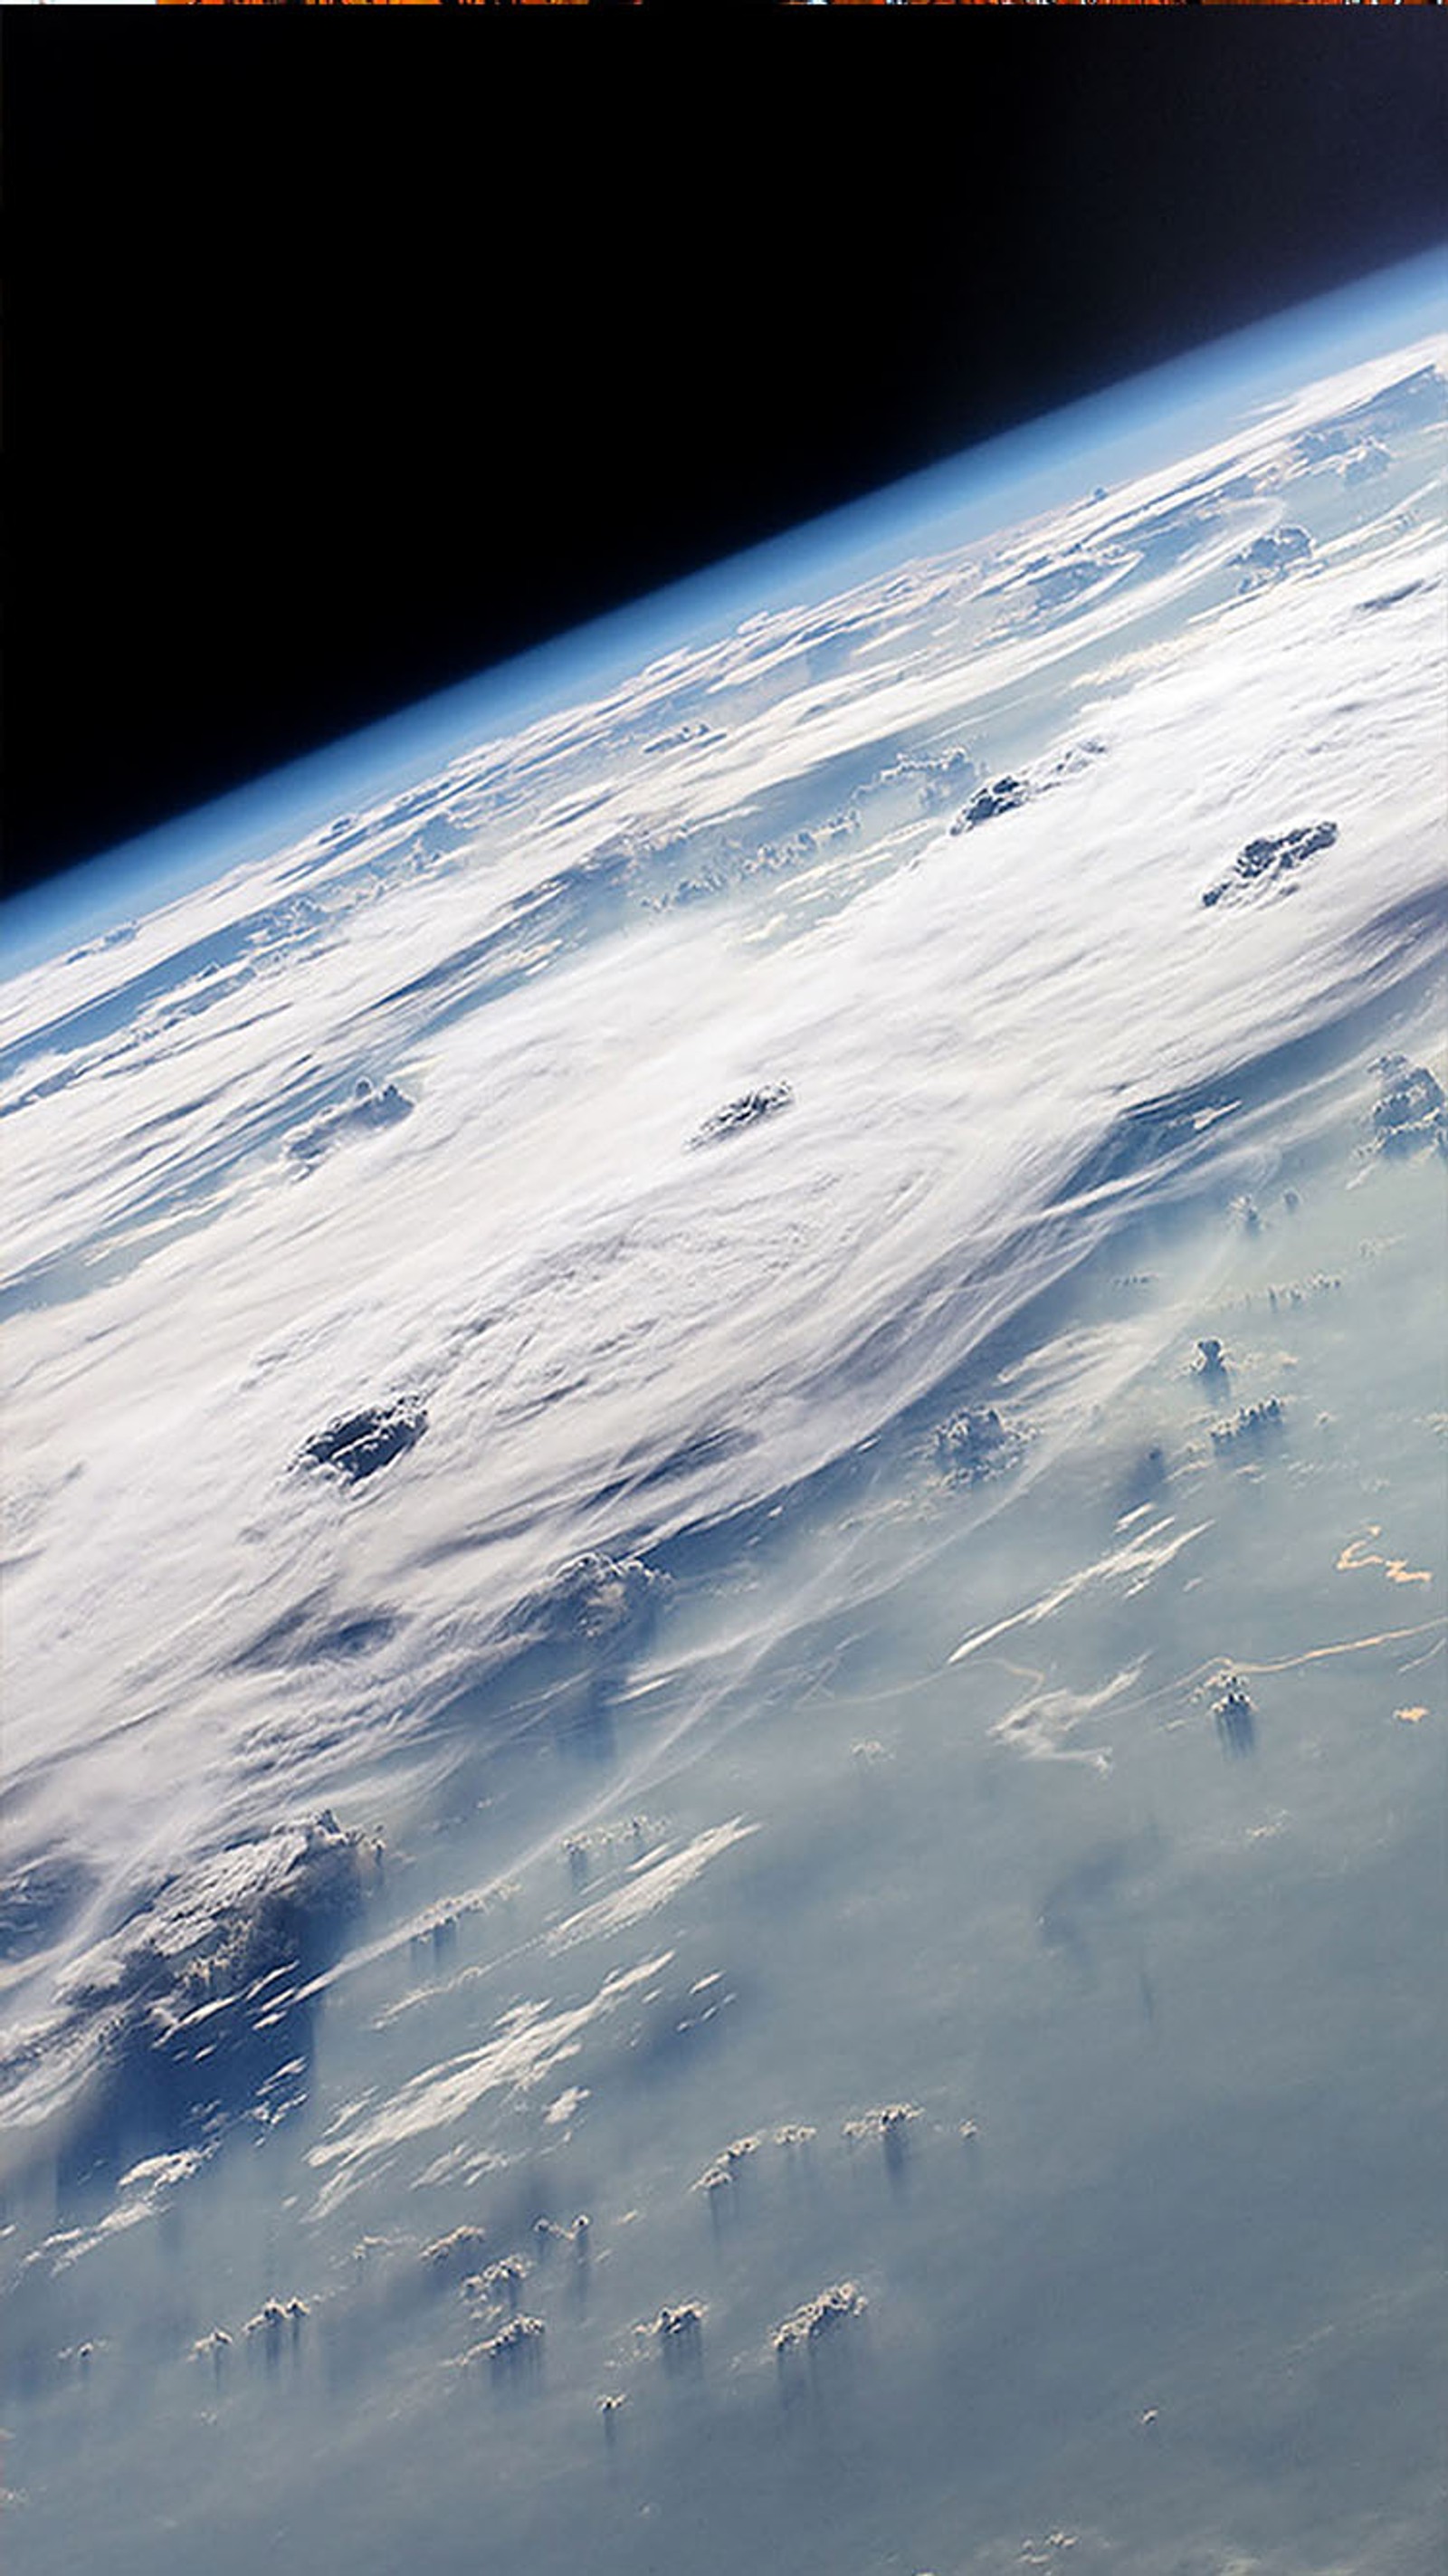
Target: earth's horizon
<point>724,1540</point>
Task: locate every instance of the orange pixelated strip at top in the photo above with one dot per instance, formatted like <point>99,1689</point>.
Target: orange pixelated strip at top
<point>799,4</point>
<point>405,4</point>
<point>392,4</point>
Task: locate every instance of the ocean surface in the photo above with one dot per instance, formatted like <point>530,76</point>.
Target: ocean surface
<point>724,1543</point>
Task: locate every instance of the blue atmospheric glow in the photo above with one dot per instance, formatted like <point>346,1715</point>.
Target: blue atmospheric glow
<point>1104,438</point>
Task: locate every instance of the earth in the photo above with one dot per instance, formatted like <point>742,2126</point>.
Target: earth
<point>724,1542</point>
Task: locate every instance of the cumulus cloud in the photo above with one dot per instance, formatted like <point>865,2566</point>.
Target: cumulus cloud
<point>365,1110</point>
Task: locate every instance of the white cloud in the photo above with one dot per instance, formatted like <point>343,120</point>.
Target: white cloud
<point>614,1336</point>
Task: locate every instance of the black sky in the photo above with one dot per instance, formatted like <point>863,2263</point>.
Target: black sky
<point>349,354</point>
